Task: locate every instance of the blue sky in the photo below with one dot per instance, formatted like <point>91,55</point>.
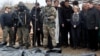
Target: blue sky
<point>42,2</point>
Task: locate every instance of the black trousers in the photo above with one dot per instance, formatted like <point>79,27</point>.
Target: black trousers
<point>42,35</point>
<point>36,38</point>
<point>75,36</point>
<point>85,38</point>
<point>64,34</point>
<point>50,46</point>
<point>93,39</point>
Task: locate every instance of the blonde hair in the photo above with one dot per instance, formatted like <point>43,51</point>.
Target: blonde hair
<point>76,7</point>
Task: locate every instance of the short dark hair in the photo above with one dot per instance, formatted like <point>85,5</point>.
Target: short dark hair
<point>66,0</point>
<point>75,3</point>
<point>62,3</point>
<point>90,2</point>
<point>37,4</point>
<point>56,1</point>
<point>7,8</point>
<point>47,0</point>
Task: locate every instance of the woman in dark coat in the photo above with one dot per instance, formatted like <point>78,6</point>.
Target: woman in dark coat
<point>75,27</point>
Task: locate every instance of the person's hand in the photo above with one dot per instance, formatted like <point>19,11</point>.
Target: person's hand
<point>38,29</point>
<point>36,19</point>
<point>63,25</point>
<point>51,17</point>
<point>96,28</point>
<point>13,28</point>
<point>74,26</point>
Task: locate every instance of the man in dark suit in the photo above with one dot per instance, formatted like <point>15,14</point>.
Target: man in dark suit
<point>92,25</point>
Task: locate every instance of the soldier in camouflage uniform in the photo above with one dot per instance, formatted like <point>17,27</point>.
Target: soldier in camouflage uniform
<point>22,17</point>
<point>49,23</point>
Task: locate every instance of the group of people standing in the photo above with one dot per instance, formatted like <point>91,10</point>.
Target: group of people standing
<point>82,25</point>
<point>62,26</point>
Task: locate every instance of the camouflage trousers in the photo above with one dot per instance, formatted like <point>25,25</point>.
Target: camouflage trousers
<point>6,31</point>
<point>48,31</point>
<point>23,36</point>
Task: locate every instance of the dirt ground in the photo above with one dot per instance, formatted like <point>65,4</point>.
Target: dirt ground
<point>78,51</point>
<point>69,50</point>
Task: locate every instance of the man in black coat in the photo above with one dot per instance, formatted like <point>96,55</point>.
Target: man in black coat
<point>37,24</point>
<point>84,32</point>
<point>98,7</point>
<point>66,12</point>
<point>92,25</point>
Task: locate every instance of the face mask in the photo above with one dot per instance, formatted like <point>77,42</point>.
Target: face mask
<point>21,8</point>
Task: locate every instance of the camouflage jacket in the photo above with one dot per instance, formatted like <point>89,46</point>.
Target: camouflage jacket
<point>49,16</point>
